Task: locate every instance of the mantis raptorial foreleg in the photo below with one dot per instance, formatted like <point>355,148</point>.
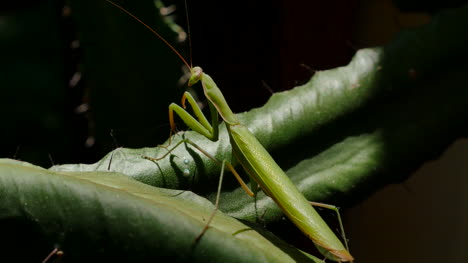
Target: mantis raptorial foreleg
<point>201,126</point>
<point>208,130</point>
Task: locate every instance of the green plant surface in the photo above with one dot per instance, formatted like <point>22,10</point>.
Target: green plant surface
<point>344,134</point>
<point>107,216</point>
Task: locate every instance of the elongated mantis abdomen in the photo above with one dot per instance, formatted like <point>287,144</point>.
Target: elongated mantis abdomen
<point>261,167</point>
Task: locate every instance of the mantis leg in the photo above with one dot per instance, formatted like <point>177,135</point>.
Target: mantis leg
<point>337,210</point>
<point>224,164</point>
<point>201,125</point>
<point>220,183</point>
<point>57,252</point>
<point>210,131</point>
<point>167,153</point>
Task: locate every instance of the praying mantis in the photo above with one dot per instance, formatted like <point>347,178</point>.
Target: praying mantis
<point>253,157</point>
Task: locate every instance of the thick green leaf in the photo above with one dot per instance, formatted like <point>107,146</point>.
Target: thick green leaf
<point>108,216</point>
<point>345,133</point>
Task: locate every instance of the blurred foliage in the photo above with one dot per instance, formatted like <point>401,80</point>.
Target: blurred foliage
<point>33,76</point>
<point>427,6</point>
<point>72,74</point>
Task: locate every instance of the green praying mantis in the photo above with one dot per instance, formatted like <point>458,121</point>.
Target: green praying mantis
<point>253,157</point>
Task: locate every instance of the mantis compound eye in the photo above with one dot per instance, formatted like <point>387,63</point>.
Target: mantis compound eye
<point>195,76</point>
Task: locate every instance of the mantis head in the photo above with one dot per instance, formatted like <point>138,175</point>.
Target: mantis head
<point>195,76</point>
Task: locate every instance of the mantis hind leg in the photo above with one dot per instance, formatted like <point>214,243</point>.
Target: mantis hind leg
<point>218,193</point>
<point>337,211</point>
<point>224,164</point>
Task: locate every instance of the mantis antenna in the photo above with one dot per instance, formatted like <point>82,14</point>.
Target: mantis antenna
<point>156,33</point>
<point>188,33</point>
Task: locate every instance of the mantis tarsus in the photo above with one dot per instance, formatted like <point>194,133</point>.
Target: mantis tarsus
<point>253,157</point>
